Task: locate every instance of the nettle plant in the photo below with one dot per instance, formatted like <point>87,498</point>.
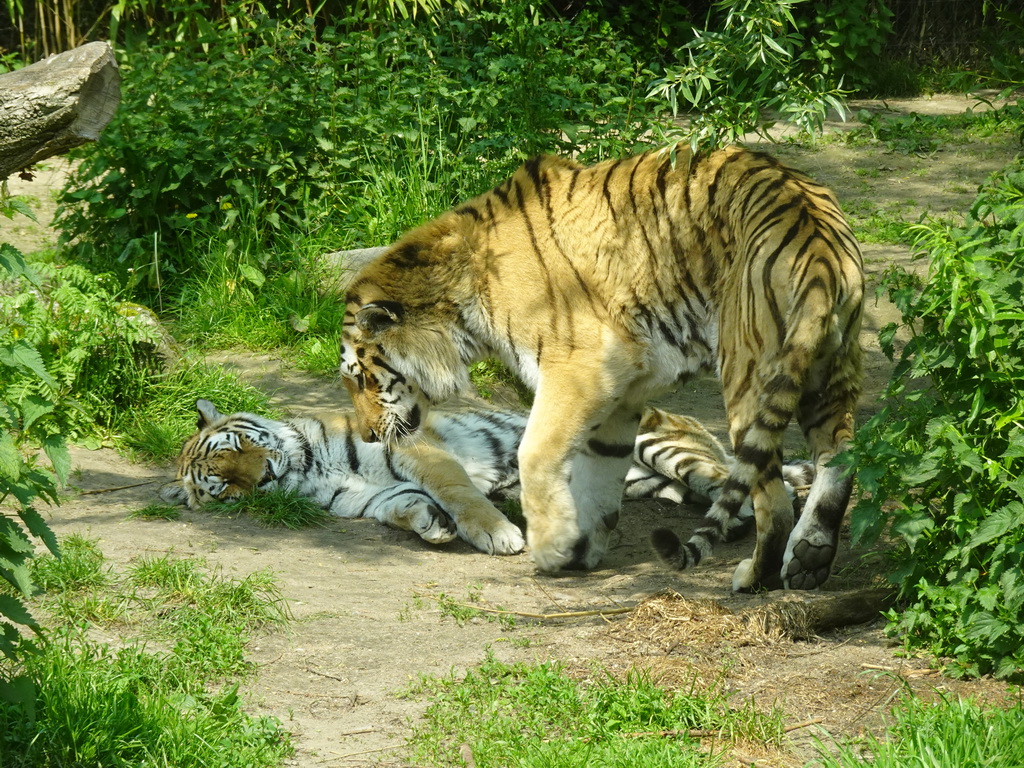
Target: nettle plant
<point>941,467</point>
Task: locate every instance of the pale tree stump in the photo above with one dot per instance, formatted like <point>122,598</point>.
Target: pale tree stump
<point>342,266</point>
<point>56,104</point>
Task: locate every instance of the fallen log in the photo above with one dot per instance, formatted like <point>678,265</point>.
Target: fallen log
<point>801,616</point>
<point>56,104</point>
<point>670,620</point>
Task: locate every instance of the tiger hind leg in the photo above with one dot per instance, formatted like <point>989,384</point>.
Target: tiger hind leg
<point>827,423</point>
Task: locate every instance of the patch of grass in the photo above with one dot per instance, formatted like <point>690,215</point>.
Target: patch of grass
<point>882,227</point>
<point>157,430</point>
<point>98,706</point>
<point>488,375</point>
<point>81,566</point>
<point>872,224</point>
<point>947,732</point>
<point>278,508</point>
<point>248,604</point>
<point>241,297</point>
<point>543,716</point>
<point>156,512</point>
<point>464,611</point>
<point>160,695</point>
<point>923,134</point>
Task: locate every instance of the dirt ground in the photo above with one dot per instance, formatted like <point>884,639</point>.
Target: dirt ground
<point>365,598</point>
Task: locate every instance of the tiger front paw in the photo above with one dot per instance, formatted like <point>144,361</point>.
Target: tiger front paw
<point>567,549</point>
<point>498,538</point>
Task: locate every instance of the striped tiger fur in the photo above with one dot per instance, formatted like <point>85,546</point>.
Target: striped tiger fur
<point>437,485</point>
<point>602,286</point>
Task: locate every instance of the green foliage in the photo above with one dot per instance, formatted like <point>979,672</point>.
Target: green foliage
<point>539,715</point>
<point>941,467</point>
<point>29,395</point>
<point>260,133</point>
<point>157,428</point>
<point>752,60</point>
<point>945,732</point>
<point>96,705</point>
<point>90,357</point>
<point>846,39</point>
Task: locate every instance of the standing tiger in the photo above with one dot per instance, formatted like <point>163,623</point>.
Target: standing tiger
<point>602,286</point>
<point>435,485</point>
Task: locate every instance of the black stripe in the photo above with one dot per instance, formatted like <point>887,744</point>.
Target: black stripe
<point>390,494</point>
<point>351,452</point>
<point>335,495</point>
<point>605,187</point>
<point>307,451</point>
<point>757,457</point>
<point>610,450</point>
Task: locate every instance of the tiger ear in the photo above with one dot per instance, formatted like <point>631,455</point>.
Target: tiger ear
<point>379,315</point>
<point>208,413</point>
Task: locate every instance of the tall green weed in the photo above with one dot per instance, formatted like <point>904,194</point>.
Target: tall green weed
<point>941,467</point>
<point>948,732</point>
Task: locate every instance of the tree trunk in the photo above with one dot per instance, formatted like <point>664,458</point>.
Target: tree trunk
<point>56,104</point>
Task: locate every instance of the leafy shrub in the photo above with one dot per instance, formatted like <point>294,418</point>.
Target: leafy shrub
<point>96,356</point>
<point>846,39</point>
<point>752,59</point>
<point>941,467</point>
<point>263,132</point>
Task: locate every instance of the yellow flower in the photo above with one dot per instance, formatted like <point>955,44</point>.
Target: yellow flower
<point>226,206</point>
<point>191,215</point>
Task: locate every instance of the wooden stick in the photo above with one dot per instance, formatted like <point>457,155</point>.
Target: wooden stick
<point>803,724</point>
<point>545,616</point>
<point>341,756</point>
<point>705,733</point>
<point>117,488</point>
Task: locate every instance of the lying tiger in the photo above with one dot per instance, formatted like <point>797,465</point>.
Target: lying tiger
<point>436,485</point>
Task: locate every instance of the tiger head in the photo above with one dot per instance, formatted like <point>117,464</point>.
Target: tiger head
<point>403,347</point>
<point>223,461</point>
